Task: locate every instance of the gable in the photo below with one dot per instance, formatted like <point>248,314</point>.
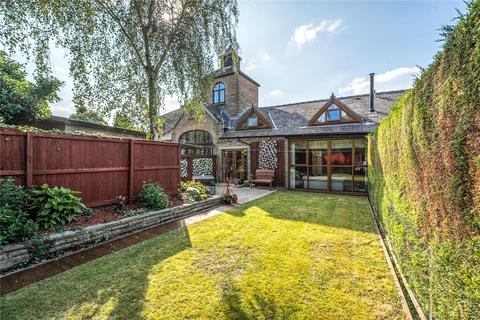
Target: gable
<point>334,112</point>
<point>253,119</point>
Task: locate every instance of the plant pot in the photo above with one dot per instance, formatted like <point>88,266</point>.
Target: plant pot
<point>234,198</point>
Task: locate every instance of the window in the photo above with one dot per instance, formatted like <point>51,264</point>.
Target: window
<point>332,112</point>
<point>196,142</point>
<point>219,93</point>
<point>253,119</point>
<point>252,122</point>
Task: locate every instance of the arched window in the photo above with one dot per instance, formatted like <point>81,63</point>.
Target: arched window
<point>219,93</point>
<point>196,142</point>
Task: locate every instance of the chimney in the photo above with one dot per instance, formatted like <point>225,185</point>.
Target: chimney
<point>372,92</point>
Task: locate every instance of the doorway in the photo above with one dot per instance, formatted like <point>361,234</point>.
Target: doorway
<point>235,164</point>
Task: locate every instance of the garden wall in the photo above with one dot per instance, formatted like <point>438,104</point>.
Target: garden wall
<point>100,168</point>
<point>17,254</point>
<point>424,174</point>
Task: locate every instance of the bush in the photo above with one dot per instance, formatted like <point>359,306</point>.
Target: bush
<point>56,206</point>
<point>195,190</point>
<point>14,196</point>
<point>153,197</point>
<point>15,226</point>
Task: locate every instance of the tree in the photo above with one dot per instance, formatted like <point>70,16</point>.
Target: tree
<point>127,55</point>
<point>83,114</point>
<point>22,101</point>
<point>122,120</point>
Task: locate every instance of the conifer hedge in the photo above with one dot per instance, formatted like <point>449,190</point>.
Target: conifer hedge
<point>424,175</point>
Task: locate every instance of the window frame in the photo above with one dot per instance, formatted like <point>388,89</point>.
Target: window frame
<point>218,90</point>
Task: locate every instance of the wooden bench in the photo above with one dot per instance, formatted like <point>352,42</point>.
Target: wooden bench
<point>263,176</point>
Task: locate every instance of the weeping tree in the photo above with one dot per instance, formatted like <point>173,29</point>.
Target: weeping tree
<point>126,55</point>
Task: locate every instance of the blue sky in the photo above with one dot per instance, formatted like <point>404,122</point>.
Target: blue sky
<point>302,51</point>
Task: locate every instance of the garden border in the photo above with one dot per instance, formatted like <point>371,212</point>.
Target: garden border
<point>14,255</point>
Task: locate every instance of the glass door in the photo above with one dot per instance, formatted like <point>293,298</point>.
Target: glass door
<point>235,164</point>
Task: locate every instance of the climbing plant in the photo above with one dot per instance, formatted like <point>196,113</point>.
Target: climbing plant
<point>424,175</point>
<point>267,156</point>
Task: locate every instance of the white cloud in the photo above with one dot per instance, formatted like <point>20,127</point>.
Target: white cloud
<point>308,32</point>
<point>261,60</point>
<point>399,78</point>
<point>275,92</point>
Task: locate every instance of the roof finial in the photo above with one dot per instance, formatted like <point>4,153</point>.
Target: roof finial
<point>332,96</point>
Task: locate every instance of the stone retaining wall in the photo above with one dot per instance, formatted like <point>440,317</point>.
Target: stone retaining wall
<point>16,254</point>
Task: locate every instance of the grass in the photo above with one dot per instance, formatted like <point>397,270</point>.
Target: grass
<point>290,255</point>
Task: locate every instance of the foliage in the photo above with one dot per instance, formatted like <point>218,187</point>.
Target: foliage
<point>56,206</point>
<point>235,265</point>
<point>14,196</point>
<point>89,116</point>
<point>126,55</point>
<point>194,190</point>
<point>121,204</point>
<point>424,176</point>
<point>15,225</point>
<point>152,196</point>
<point>21,100</point>
<point>125,121</point>
<point>38,248</point>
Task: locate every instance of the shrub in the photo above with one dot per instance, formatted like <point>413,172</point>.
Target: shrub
<point>153,197</point>
<point>15,226</point>
<point>56,206</point>
<point>194,190</point>
<point>14,196</point>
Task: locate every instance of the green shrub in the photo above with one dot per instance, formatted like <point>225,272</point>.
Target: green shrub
<point>14,196</point>
<point>200,192</point>
<point>15,226</point>
<point>153,197</point>
<point>56,206</point>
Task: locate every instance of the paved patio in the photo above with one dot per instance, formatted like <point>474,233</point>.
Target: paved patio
<point>245,194</point>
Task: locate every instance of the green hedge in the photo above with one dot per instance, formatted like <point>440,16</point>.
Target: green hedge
<point>424,175</point>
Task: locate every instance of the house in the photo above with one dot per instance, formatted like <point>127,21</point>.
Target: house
<point>72,125</point>
<point>315,145</point>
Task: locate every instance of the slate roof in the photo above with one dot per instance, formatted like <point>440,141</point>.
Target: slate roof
<point>292,119</point>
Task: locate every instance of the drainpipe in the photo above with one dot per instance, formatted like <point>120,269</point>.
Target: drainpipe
<point>372,92</point>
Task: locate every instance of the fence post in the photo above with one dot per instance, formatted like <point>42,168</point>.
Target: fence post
<point>29,160</point>
<point>131,170</point>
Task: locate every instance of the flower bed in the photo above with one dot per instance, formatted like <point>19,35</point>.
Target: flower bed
<point>20,254</point>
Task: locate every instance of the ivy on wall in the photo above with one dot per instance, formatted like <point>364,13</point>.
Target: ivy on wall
<point>202,166</point>
<point>424,176</point>
<point>267,157</point>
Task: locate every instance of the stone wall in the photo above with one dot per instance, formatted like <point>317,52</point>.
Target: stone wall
<point>17,254</point>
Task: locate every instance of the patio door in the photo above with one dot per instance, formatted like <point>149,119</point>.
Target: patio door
<point>235,164</point>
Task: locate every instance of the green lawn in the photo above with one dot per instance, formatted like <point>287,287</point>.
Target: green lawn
<point>290,255</point>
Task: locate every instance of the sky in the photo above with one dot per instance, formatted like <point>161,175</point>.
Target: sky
<point>300,51</point>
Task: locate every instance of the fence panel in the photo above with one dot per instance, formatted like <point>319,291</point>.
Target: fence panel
<point>100,168</point>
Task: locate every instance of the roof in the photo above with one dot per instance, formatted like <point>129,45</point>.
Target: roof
<point>292,119</point>
<point>57,122</point>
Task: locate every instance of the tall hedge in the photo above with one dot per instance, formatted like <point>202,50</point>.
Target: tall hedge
<point>424,174</point>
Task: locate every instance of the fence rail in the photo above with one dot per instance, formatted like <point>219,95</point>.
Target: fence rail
<point>100,168</point>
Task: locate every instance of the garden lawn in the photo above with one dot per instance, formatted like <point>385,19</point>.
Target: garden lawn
<point>290,255</point>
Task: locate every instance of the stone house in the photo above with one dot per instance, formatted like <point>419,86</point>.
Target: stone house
<point>315,145</point>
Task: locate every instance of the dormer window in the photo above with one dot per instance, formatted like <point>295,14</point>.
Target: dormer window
<point>253,119</point>
<point>333,112</point>
<point>219,93</point>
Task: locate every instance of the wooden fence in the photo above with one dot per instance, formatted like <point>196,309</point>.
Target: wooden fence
<point>100,168</point>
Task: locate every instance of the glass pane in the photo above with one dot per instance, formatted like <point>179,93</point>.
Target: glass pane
<point>318,178</point>
<point>360,177</point>
<point>222,96</point>
<point>321,118</point>
<point>298,177</point>
<point>228,164</point>
<point>346,117</point>
<point>333,113</point>
<point>318,153</point>
<point>342,179</point>
<point>361,152</point>
<point>252,122</point>
<point>298,152</point>
<point>341,152</point>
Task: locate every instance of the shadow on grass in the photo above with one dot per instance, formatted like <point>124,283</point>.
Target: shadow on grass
<point>113,286</point>
<point>337,211</point>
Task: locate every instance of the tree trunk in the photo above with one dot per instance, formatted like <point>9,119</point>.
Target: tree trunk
<point>153,106</point>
